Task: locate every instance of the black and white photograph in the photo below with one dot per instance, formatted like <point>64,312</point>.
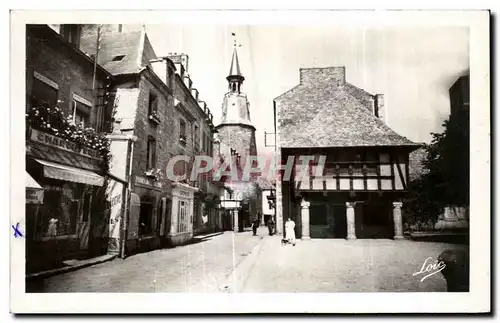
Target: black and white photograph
<point>325,158</point>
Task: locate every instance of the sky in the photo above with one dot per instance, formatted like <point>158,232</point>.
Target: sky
<point>413,67</point>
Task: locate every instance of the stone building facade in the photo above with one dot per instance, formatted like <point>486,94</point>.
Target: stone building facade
<point>70,220</point>
<point>358,169</point>
<point>151,99</point>
<point>193,137</point>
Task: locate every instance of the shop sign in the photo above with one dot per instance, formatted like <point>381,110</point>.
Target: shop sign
<point>34,196</point>
<point>114,196</point>
<point>184,193</point>
<point>63,144</point>
<point>230,204</point>
<point>148,182</point>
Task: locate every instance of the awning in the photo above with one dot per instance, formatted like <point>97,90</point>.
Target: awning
<point>34,192</point>
<point>70,174</point>
<point>31,183</point>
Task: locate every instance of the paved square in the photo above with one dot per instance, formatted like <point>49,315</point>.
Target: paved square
<point>337,265</point>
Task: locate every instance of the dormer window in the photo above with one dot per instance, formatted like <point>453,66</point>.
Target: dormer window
<point>81,113</point>
<point>153,108</point>
<point>118,58</point>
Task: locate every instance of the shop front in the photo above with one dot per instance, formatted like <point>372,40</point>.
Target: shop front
<point>34,200</point>
<point>147,212</point>
<point>206,214</point>
<point>181,221</point>
<point>62,226</point>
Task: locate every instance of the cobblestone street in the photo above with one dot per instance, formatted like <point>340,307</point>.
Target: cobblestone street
<point>338,265</point>
<point>199,267</point>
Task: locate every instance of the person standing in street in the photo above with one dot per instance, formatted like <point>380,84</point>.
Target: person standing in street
<point>255,224</point>
<point>270,226</point>
<point>290,231</point>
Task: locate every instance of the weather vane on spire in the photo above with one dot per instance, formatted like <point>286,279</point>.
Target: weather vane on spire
<point>234,40</point>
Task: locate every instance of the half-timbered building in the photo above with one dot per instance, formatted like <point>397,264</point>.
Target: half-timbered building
<point>359,166</point>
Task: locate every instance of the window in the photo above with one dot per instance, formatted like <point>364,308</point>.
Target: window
<point>42,93</point>
<point>196,138</point>
<point>153,104</point>
<point>60,210</point>
<point>151,153</point>
<point>145,215</point>
<point>118,58</point>
<point>183,217</point>
<point>181,168</point>
<point>182,132</point>
<point>81,114</point>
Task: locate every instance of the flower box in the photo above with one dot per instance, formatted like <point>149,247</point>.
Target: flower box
<point>155,174</point>
<point>52,120</point>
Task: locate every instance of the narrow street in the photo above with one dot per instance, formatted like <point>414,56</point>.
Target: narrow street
<point>198,267</point>
<point>262,265</point>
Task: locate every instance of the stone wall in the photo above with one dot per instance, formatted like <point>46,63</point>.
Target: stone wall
<point>67,67</point>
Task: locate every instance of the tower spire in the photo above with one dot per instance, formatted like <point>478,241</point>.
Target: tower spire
<point>235,77</point>
<point>235,70</point>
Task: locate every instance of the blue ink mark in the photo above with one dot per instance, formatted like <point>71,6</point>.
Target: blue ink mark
<point>17,231</point>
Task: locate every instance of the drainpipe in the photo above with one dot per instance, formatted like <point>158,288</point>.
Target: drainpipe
<point>128,190</point>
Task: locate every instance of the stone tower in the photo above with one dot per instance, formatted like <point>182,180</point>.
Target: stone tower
<point>237,134</point>
<point>236,129</point>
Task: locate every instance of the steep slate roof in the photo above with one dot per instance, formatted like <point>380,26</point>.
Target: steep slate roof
<point>324,114</point>
<point>134,46</point>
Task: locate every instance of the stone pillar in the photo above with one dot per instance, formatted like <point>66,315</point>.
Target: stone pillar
<point>304,214</point>
<point>398,220</point>
<point>351,222</point>
<point>236,227</point>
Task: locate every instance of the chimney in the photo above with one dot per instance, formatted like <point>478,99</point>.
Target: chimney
<point>202,105</point>
<point>378,106</point>
<point>181,62</point>
<point>185,61</point>
<point>324,75</point>
<point>188,82</point>
<point>194,93</point>
<point>160,68</point>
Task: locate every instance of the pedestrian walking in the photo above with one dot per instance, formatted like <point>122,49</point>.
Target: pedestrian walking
<point>290,231</point>
<point>270,226</point>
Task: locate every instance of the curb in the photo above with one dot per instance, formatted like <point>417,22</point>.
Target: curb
<point>235,281</point>
<point>63,270</point>
<point>210,235</point>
